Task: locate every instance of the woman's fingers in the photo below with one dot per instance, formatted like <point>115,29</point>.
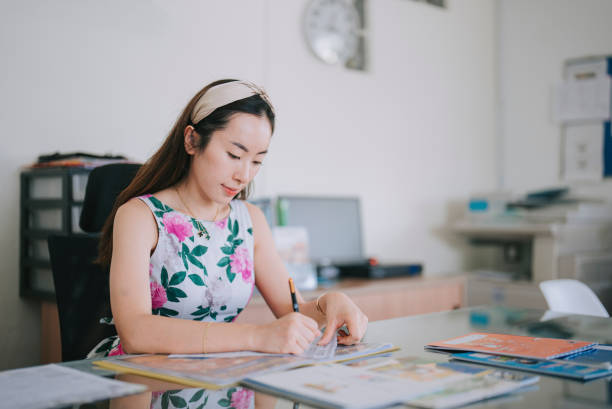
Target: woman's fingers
<point>330,331</point>
<point>305,330</point>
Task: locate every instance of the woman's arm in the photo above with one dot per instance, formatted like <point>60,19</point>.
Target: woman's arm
<point>271,278</point>
<point>134,238</point>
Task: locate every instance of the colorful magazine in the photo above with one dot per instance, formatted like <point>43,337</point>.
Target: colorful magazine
<point>591,364</point>
<point>222,370</point>
<point>482,385</point>
<point>386,382</point>
<point>512,345</point>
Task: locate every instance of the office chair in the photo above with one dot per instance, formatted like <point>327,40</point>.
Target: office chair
<point>81,286</point>
<point>572,296</point>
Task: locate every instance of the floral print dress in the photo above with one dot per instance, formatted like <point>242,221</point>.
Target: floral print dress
<point>235,397</point>
<point>198,275</point>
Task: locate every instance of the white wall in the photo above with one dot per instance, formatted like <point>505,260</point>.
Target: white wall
<point>413,134</point>
<point>536,37</point>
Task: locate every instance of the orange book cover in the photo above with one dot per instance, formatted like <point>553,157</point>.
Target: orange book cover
<point>513,345</point>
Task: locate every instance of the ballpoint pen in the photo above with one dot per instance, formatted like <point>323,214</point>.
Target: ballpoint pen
<point>296,307</point>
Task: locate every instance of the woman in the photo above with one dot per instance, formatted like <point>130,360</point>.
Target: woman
<point>182,242</point>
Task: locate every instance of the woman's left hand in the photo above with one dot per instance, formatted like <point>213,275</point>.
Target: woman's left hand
<point>340,310</point>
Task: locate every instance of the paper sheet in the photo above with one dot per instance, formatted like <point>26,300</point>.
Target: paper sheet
<point>587,99</point>
<point>49,386</point>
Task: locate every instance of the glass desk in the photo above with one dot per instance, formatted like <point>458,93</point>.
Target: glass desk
<point>411,334</point>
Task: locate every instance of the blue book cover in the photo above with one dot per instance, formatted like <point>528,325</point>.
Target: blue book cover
<point>591,364</point>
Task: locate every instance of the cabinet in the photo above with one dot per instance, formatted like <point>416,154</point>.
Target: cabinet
<point>50,203</point>
<point>383,298</point>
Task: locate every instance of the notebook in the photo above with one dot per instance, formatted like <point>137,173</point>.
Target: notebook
<point>512,345</point>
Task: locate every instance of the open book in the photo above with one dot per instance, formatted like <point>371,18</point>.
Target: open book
<point>225,370</point>
<point>411,380</point>
<point>512,345</point>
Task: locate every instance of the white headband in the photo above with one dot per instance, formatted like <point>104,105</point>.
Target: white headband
<point>223,94</point>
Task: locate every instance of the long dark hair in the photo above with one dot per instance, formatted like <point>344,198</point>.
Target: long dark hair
<point>170,164</point>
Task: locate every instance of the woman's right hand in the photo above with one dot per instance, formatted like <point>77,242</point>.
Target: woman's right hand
<point>291,334</point>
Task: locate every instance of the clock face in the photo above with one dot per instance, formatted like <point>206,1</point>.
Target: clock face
<point>332,30</point>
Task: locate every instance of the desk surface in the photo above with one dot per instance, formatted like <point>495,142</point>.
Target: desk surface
<point>412,333</point>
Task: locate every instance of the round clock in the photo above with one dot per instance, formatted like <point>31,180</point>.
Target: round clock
<point>332,30</point>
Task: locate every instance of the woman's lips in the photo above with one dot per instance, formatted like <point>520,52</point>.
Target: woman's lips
<point>230,192</point>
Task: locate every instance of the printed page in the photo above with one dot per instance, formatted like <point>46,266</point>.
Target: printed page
<point>54,385</point>
<point>336,386</point>
<point>383,382</point>
<point>212,371</point>
<point>484,384</point>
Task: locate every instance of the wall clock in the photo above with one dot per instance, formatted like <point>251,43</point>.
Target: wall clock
<point>334,31</point>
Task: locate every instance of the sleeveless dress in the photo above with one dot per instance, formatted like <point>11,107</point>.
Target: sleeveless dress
<point>197,275</point>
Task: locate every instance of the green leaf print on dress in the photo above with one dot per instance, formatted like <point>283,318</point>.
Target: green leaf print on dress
<point>172,293</point>
<point>190,256</point>
<point>237,259</point>
<point>162,208</point>
<point>237,398</point>
<point>202,313</point>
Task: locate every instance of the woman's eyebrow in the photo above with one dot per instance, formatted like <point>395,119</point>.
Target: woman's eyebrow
<point>244,148</point>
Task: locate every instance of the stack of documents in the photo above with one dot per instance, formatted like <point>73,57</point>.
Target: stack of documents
<point>549,356</point>
<point>591,364</point>
<point>378,384</point>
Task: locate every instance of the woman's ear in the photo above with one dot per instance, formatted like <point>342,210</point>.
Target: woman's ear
<point>190,140</point>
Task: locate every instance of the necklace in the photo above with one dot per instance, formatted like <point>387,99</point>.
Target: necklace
<point>202,231</point>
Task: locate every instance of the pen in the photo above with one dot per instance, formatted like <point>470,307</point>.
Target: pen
<point>296,307</point>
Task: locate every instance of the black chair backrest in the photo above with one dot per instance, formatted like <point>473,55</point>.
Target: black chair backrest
<point>103,186</point>
<point>82,294</point>
<point>81,286</point>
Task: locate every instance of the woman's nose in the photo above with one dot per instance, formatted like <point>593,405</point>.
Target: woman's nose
<point>242,173</point>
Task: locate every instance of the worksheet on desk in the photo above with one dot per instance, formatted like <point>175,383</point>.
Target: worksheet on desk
<point>49,386</point>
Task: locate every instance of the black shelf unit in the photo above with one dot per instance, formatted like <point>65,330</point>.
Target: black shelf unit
<point>50,203</point>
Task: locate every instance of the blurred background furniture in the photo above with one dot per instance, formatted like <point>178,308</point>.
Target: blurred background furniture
<point>573,297</point>
<point>81,286</point>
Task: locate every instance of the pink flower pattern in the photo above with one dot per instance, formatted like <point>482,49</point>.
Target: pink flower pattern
<point>177,225</point>
<point>242,398</point>
<point>242,264</point>
<point>118,350</point>
<point>158,295</point>
<point>221,223</point>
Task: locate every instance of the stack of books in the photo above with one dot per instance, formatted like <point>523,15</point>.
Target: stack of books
<point>566,358</point>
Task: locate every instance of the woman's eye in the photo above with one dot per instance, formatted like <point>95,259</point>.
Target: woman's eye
<point>257,163</point>
<point>231,155</point>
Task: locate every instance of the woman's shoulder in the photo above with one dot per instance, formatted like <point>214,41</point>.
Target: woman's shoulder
<point>255,213</point>
<point>134,208</point>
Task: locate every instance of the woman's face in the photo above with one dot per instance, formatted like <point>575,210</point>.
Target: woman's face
<point>232,157</point>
